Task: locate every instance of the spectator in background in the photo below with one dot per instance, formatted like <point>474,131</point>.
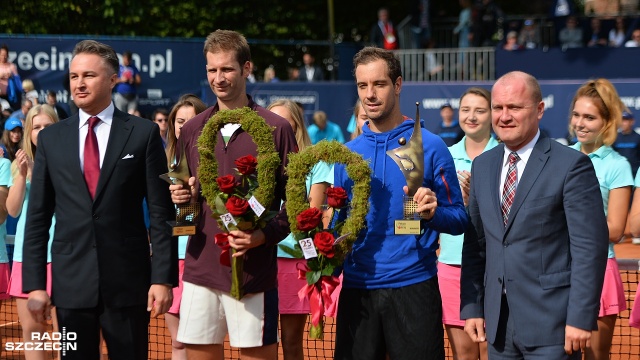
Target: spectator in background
<point>601,7</point>
<point>597,37</point>
<point>628,141</point>
<point>187,107</point>
<point>488,24</point>
<point>11,138</point>
<point>383,34</point>
<point>449,129</point>
<point>7,70</point>
<point>30,91</point>
<point>511,42</point>
<point>421,23</point>
<point>323,129</point>
<point>618,34</point>
<point>475,120</point>
<point>126,94</point>
<point>571,35</point>
<point>595,117</point>
<point>24,109</point>
<point>53,102</point>
<point>270,75</point>
<point>310,72</point>
<point>635,39</point>
<point>160,116</point>
<point>529,35</point>
<point>293,310</point>
<point>463,29</point>
<point>360,118</point>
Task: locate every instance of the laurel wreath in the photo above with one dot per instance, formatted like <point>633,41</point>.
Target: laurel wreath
<point>261,134</point>
<point>298,169</point>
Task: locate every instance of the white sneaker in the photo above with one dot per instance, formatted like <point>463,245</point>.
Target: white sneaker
<point>635,241</point>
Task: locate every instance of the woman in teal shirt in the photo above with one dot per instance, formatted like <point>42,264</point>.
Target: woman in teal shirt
<point>475,120</point>
<point>596,113</point>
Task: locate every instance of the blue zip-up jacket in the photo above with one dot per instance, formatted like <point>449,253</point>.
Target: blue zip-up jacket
<point>381,259</point>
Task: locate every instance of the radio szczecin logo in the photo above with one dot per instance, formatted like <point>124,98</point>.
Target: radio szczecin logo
<point>48,341</point>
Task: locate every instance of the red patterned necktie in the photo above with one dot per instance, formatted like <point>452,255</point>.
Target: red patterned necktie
<point>509,189</point>
<point>91,157</point>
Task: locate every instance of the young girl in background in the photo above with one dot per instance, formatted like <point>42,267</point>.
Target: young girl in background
<point>596,113</point>
<point>293,311</point>
<point>186,108</point>
<point>38,118</point>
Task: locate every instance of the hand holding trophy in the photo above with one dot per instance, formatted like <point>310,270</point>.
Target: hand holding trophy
<point>187,214</point>
<point>410,159</point>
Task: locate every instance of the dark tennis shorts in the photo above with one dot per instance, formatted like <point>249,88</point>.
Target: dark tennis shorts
<point>405,323</point>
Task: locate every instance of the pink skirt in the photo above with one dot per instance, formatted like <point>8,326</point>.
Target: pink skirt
<point>289,285</point>
<point>449,282</point>
<point>15,283</point>
<point>612,299</point>
<point>177,291</point>
<point>634,317</point>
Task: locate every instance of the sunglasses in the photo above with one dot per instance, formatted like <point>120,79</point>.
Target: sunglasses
<point>162,120</point>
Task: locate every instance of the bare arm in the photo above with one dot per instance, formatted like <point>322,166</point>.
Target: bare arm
<point>617,210</point>
<point>634,215</point>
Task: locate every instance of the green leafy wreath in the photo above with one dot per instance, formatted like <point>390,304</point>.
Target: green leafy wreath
<point>300,165</point>
<point>261,134</point>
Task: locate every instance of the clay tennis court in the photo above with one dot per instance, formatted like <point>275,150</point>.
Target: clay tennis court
<point>626,341</point>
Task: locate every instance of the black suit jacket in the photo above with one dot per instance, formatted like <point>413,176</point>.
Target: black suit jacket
<point>318,74</point>
<point>100,247</point>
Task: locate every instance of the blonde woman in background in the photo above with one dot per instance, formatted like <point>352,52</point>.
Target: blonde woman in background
<point>38,118</point>
<point>293,311</point>
<point>596,114</point>
<point>360,117</point>
<point>187,107</point>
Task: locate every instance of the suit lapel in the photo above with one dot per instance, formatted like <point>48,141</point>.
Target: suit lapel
<point>537,161</point>
<point>69,143</point>
<point>118,137</point>
<point>495,173</point>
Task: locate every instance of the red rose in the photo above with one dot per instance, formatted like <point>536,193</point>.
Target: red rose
<point>324,242</point>
<point>237,206</point>
<point>227,183</point>
<point>336,197</point>
<point>309,219</point>
<point>246,165</point>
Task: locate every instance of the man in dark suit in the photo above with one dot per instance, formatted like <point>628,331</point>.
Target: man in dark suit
<point>309,72</point>
<point>92,171</point>
<point>532,263</point>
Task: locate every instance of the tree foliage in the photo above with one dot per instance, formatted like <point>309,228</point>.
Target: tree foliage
<point>298,23</point>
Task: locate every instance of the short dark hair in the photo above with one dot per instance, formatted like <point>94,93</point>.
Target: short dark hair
<point>371,53</point>
<point>105,51</point>
<point>157,111</point>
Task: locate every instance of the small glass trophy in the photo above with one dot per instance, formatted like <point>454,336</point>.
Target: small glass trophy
<point>410,159</point>
<point>188,214</point>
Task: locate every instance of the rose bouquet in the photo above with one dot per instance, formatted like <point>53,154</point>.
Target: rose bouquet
<point>325,248</point>
<point>238,202</point>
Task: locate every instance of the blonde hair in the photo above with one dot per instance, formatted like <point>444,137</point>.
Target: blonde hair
<point>302,136</point>
<point>27,145</point>
<point>27,85</point>
<point>357,108</point>
<point>605,98</point>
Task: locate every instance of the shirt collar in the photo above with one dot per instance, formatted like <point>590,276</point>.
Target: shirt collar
<point>524,151</point>
<point>105,115</point>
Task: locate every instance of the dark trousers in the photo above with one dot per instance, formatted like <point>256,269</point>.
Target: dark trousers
<point>405,323</point>
<point>125,330</point>
<point>508,347</point>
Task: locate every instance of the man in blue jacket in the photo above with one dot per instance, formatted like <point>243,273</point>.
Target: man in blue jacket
<point>390,301</point>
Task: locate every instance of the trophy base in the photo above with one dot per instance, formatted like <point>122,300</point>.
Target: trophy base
<point>407,227</point>
<point>178,229</point>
